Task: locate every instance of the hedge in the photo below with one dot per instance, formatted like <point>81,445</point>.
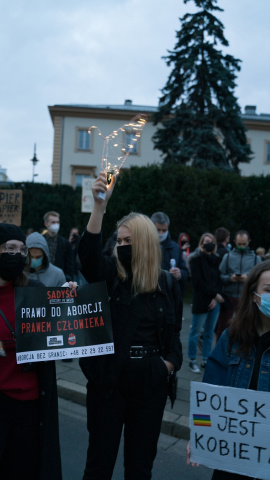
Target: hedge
<point>196,201</point>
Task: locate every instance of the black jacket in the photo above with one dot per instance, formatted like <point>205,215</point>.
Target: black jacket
<point>171,249</point>
<point>50,462</point>
<point>126,312</point>
<point>221,250</point>
<point>206,282</point>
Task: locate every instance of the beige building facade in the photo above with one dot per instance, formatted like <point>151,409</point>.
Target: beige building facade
<point>77,153</point>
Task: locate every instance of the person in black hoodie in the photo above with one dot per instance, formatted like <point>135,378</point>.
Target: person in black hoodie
<point>206,298</point>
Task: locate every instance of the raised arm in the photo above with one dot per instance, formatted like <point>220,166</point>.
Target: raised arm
<point>94,266</point>
<point>100,185</point>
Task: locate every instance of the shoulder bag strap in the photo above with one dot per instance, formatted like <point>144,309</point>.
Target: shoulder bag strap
<point>7,324</point>
<point>168,278</point>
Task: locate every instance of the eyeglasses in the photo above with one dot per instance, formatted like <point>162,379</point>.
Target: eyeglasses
<point>12,249</point>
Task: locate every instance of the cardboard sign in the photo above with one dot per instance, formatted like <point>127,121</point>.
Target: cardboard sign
<point>11,206</point>
<point>87,195</point>
<point>57,323</point>
<point>229,429</point>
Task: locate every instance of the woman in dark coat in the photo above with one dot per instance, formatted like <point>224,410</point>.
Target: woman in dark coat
<point>206,298</point>
<point>130,387</point>
<point>29,439</point>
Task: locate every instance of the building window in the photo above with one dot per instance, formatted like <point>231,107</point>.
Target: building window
<point>79,179</point>
<point>267,153</point>
<point>132,143</point>
<point>79,173</point>
<point>83,142</point>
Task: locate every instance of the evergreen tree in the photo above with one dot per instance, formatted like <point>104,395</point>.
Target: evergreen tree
<point>200,116</point>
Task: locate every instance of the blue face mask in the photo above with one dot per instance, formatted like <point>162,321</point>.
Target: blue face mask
<point>36,262</point>
<point>265,303</point>
<point>163,236</point>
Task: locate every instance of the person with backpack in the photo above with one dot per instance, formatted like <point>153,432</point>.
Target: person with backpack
<point>234,269</point>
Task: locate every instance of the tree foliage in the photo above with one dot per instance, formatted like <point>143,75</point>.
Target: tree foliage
<point>196,201</point>
<point>200,117</point>
<point>39,198</point>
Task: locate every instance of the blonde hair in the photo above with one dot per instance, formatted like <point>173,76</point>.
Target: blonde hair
<point>213,238</point>
<point>146,253</point>
<point>50,214</point>
<point>260,250</point>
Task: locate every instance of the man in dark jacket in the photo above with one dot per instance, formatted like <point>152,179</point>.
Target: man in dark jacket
<point>60,248</point>
<point>172,259</point>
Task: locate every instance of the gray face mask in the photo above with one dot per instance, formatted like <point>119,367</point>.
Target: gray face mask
<point>162,236</point>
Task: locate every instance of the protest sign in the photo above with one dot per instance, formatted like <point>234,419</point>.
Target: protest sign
<point>11,206</point>
<point>229,429</point>
<point>87,195</point>
<point>57,323</point>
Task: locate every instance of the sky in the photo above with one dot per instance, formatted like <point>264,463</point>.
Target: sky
<point>103,52</point>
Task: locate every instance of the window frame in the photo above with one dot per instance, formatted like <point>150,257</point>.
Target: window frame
<point>80,170</point>
<point>91,140</point>
<point>132,132</point>
<point>266,152</point>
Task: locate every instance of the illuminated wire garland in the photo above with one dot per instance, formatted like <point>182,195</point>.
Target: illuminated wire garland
<point>115,151</point>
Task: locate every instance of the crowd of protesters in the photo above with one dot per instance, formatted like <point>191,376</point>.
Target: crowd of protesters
<point>148,275</point>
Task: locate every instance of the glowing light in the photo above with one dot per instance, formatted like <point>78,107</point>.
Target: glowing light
<point>114,154</point>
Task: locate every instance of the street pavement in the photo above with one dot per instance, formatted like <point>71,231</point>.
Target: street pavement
<point>72,386</point>
<point>170,462</point>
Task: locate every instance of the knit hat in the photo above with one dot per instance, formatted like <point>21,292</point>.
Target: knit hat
<point>8,231</point>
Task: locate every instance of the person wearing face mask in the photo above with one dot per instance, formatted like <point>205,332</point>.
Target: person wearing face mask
<point>60,249</point>
<point>170,250</point>
<point>29,437</point>
<point>234,269</point>
<point>39,266</point>
<point>241,358</point>
<point>184,244</point>
<point>129,388</point>
<point>206,299</point>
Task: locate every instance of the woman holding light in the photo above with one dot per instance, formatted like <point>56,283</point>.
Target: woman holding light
<point>130,387</point>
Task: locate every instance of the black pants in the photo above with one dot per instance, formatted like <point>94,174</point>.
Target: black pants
<point>19,439</point>
<point>137,403</point>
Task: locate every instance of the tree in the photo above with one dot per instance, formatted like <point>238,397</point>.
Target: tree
<point>200,117</point>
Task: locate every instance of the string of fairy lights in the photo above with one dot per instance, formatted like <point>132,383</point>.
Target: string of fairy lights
<point>115,150</point>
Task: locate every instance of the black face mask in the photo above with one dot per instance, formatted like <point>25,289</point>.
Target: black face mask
<point>124,256</point>
<point>11,266</point>
<point>209,247</point>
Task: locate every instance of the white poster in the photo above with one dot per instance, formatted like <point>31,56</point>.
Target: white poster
<point>87,196</point>
<point>229,429</point>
